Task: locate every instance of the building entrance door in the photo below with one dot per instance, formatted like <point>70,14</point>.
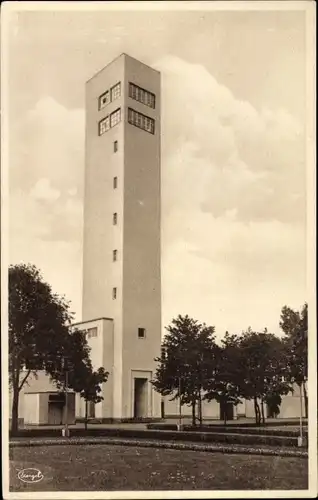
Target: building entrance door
<point>226,411</point>
<point>55,416</point>
<point>140,397</point>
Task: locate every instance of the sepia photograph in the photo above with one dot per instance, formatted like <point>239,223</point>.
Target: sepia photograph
<point>158,250</point>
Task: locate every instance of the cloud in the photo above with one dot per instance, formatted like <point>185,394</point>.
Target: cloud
<point>43,191</point>
<point>231,154</point>
<point>50,142</point>
<point>233,201</point>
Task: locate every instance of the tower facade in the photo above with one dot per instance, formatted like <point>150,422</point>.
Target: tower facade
<point>121,259</point>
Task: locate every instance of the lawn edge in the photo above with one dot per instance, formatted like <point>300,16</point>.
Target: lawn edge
<point>160,444</point>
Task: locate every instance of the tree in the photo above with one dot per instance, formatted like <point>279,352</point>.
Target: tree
<point>183,365</point>
<point>295,327</point>
<point>41,337</point>
<point>38,322</point>
<point>221,384</point>
<point>260,369</point>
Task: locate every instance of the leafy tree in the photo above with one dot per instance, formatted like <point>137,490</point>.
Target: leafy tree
<point>91,388</point>
<point>184,363</point>
<point>41,337</point>
<point>260,369</point>
<point>38,323</point>
<point>295,327</point>
<point>221,384</point>
<point>273,401</point>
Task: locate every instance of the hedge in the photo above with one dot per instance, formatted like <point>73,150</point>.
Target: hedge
<point>216,448</point>
<point>206,437</point>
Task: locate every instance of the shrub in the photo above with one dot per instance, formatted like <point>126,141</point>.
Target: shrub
<point>169,435</point>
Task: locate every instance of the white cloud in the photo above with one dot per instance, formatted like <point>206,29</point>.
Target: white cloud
<point>51,146</point>
<point>233,198</point>
<point>43,191</point>
<point>241,157</point>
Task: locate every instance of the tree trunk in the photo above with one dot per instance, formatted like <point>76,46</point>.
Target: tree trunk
<point>263,413</point>
<point>306,400</point>
<point>224,412</point>
<point>15,409</point>
<point>257,411</point>
<point>200,409</point>
<point>86,413</point>
<point>193,412</point>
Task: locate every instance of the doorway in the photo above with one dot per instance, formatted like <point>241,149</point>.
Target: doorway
<point>140,397</point>
<point>226,411</point>
<point>55,416</point>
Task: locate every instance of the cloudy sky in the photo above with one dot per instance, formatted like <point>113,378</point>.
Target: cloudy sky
<point>233,153</point>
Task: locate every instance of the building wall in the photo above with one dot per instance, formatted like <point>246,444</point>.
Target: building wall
<point>71,410</point>
<point>101,200</point>
<point>136,237</point>
<point>101,354</point>
<point>43,399</point>
<point>31,411</point>
<point>141,243</point>
<point>290,408</point>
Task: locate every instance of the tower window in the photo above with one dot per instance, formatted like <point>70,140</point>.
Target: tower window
<point>114,255</point>
<point>115,182</point>
<point>115,117</point>
<point>115,146</point>
<point>142,95</point>
<point>141,121</point>
<point>114,293</point>
<point>115,91</point>
<point>104,125</point>
<point>141,333</point>
<point>103,100</point>
<point>91,332</point>
<point>115,219</point>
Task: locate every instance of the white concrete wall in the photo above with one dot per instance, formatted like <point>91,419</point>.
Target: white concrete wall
<point>31,411</point>
<point>289,408</point>
<point>43,399</point>
<point>136,237</point>
<point>101,354</point>
<point>141,265</point>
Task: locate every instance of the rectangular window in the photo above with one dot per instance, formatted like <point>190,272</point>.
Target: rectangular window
<point>115,182</point>
<point>114,293</point>
<point>104,125</point>
<point>103,100</point>
<point>141,333</point>
<point>114,219</point>
<point>141,121</point>
<point>91,332</point>
<point>115,117</point>
<point>115,146</point>
<point>114,255</point>
<point>115,91</point>
<point>142,95</point>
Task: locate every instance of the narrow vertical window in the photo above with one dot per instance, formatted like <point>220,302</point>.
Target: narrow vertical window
<point>141,333</point>
<point>115,117</point>
<point>114,293</point>
<point>115,146</point>
<point>115,182</point>
<point>115,219</point>
<point>114,255</point>
<point>104,125</point>
<point>115,91</point>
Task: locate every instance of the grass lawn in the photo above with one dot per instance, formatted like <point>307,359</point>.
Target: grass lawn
<point>107,467</point>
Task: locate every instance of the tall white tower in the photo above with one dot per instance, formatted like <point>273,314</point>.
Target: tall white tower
<point>121,262</point>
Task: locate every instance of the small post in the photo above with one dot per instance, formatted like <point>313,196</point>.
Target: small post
<point>300,437</point>
<point>65,430</point>
<point>180,407</point>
